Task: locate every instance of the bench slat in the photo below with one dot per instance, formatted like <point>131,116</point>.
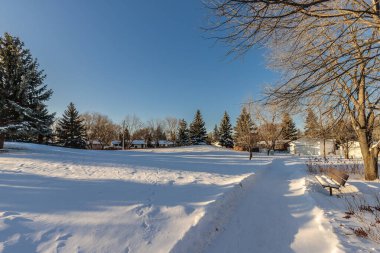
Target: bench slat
<point>331,182</point>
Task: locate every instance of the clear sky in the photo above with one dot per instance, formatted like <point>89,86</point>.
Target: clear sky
<point>148,58</point>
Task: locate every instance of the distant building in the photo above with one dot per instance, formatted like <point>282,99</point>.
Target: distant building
<point>116,144</point>
<point>308,146</point>
<point>144,144</point>
<point>138,144</point>
<point>165,144</point>
<point>353,150</point>
<point>94,144</point>
<point>281,145</point>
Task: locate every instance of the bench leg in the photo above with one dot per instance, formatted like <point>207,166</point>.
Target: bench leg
<point>330,191</point>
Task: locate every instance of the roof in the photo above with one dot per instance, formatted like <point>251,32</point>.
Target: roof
<point>138,142</point>
<point>163,142</point>
<point>115,142</point>
<point>309,141</point>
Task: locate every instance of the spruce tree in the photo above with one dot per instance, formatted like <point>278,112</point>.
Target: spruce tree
<point>311,124</point>
<point>245,132</point>
<point>22,92</point>
<point>197,131</point>
<point>225,132</point>
<point>183,133</point>
<point>71,130</point>
<point>289,130</point>
<point>215,134</point>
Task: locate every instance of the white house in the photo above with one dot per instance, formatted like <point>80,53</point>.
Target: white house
<point>94,144</point>
<point>163,143</point>
<point>138,144</point>
<point>116,143</point>
<point>353,150</point>
<point>308,146</point>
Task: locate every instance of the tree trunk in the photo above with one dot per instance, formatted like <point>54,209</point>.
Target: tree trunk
<point>2,139</point>
<point>346,150</point>
<point>40,139</point>
<point>250,153</point>
<point>370,158</point>
<point>324,148</point>
<point>346,154</point>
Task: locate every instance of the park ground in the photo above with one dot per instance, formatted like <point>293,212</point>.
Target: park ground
<point>189,199</point>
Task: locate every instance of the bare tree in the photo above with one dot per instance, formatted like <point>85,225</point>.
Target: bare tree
<point>326,50</point>
<point>345,135</point>
<point>326,123</point>
<point>131,124</point>
<point>157,128</point>
<point>270,127</point>
<point>172,126</point>
<point>99,127</point>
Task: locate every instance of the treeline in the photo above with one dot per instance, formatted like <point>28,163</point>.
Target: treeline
<point>80,130</point>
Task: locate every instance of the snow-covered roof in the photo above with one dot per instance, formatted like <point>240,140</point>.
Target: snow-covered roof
<point>138,142</point>
<point>309,141</point>
<point>163,142</point>
<point>115,142</point>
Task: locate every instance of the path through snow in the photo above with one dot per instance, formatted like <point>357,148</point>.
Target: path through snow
<point>277,216</point>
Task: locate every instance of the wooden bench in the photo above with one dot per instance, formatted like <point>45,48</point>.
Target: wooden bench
<point>333,179</point>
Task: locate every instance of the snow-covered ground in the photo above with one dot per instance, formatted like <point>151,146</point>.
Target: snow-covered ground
<point>56,199</point>
<point>191,199</point>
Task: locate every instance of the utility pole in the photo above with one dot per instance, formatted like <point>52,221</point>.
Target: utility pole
<point>123,141</point>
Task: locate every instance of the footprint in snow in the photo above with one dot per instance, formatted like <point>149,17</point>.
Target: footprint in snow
<point>9,213</point>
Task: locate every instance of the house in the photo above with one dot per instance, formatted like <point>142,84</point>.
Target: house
<point>116,144</point>
<point>94,144</point>
<point>353,150</point>
<point>309,146</point>
<point>165,144</point>
<point>138,144</point>
<point>280,145</point>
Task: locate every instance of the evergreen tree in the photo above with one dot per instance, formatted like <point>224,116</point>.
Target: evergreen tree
<point>71,130</point>
<point>158,134</point>
<point>225,132</point>
<point>289,130</point>
<point>245,132</point>
<point>22,92</point>
<point>311,124</point>
<point>183,133</point>
<point>197,131</point>
<point>215,134</point>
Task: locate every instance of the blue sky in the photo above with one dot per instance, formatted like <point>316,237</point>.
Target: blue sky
<point>148,58</point>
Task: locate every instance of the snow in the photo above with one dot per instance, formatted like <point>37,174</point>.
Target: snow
<point>67,200</point>
<point>188,199</point>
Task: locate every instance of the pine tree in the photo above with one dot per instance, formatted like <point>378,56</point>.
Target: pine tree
<point>215,134</point>
<point>311,124</point>
<point>183,133</point>
<point>22,92</point>
<point>225,132</point>
<point>197,131</point>
<point>245,132</point>
<point>71,130</point>
<point>289,130</point>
